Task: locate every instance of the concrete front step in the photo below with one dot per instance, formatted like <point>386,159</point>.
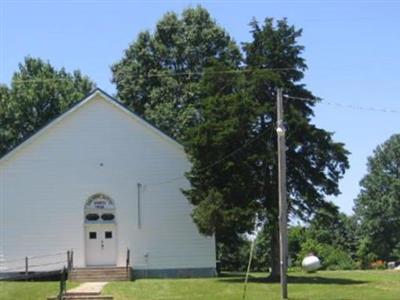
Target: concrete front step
<point>99,268</point>
<point>94,270</point>
<point>111,271</point>
<point>86,291</point>
<point>124,273</point>
<point>83,294</point>
<point>83,297</point>
<point>84,274</point>
<point>96,279</point>
<point>100,274</point>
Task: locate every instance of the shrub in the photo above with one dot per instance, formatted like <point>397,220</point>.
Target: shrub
<point>331,258</point>
<point>378,265</point>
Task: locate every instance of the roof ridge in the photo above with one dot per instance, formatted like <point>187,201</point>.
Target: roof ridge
<point>75,106</point>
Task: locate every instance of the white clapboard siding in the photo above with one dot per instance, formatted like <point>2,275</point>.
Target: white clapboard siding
<point>100,148</point>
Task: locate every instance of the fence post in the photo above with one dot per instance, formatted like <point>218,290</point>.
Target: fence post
<point>68,261</point>
<point>26,267</point>
<point>62,284</point>
<point>72,259</point>
<point>128,255</point>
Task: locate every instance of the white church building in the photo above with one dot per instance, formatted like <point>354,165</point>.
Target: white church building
<point>100,180</point>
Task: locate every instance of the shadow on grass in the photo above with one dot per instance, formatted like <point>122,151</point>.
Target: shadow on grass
<point>237,278</point>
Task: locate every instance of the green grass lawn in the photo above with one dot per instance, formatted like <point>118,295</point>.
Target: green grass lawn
<point>324,285</point>
<point>21,290</point>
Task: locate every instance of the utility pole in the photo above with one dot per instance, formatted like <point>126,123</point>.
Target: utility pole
<point>283,207</point>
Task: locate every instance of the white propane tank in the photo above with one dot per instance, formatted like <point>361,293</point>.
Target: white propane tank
<point>311,263</point>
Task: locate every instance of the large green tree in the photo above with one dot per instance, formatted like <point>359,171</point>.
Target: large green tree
<point>159,73</point>
<point>234,151</point>
<point>377,206</point>
<point>39,92</point>
<point>6,134</point>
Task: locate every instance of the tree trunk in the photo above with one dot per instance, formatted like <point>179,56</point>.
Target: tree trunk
<point>275,261</point>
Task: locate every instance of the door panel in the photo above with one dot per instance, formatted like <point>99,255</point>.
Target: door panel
<point>100,244</point>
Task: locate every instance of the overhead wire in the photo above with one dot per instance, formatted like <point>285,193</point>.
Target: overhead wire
<point>204,1</point>
<point>349,106</point>
<point>164,74</point>
<point>384,110</point>
<point>212,164</point>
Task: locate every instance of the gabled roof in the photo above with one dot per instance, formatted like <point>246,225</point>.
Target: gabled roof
<point>79,104</point>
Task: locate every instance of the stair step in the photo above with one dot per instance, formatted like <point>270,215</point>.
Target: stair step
<point>97,275</point>
<point>82,294</point>
<point>97,280</point>
<point>100,269</point>
<point>83,297</point>
<point>100,278</point>
<point>100,274</point>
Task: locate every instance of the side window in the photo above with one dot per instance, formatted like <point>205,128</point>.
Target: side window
<point>108,234</point>
<point>92,235</point>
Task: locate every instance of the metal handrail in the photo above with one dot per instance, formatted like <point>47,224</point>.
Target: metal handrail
<point>63,284</point>
<point>33,257</point>
<point>26,263</point>
<point>128,261</point>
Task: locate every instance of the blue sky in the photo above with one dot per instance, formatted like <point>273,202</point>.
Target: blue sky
<point>352,50</point>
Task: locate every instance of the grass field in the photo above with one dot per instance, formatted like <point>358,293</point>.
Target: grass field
<point>335,285</point>
<point>21,290</point>
<point>326,285</point>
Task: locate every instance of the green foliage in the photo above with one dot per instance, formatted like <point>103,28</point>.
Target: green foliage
<point>160,72</point>
<point>238,132</point>
<point>333,228</point>
<point>297,236</point>
<point>234,255</point>
<point>262,251</point>
<point>331,257</point>
<point>396,252</point>
<point>227,118</point>
<point>6,117</point>
<point>330,235</point>
<point>38,94</point>
<point>377,206</point>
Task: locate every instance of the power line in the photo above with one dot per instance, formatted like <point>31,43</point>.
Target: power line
<point>40,80</point>
<point>161,74</point>
<point>165,74</point>
<point>212,164</point>
<point>257,137</point>
<point>349,106</point>
<point>204,1</point>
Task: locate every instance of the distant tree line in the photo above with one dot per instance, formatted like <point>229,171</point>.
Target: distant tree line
<point>369,238</point>
<point>38,93</point>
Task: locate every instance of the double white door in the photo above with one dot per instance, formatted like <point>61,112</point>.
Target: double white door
<point>101,244</point>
